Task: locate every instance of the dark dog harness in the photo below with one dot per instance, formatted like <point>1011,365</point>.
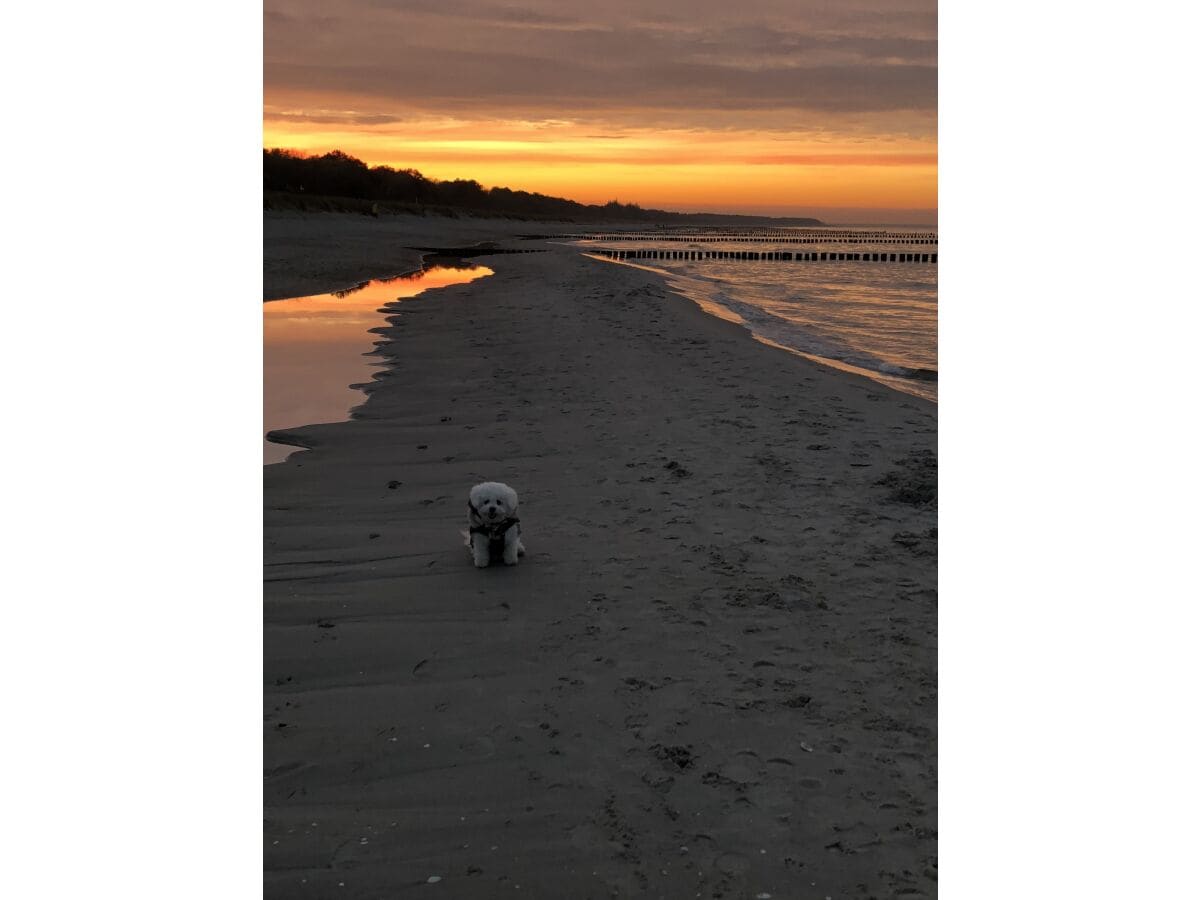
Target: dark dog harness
<point>494,532</point>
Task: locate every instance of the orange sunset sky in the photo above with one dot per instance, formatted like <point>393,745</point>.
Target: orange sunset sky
<point>793,107</point>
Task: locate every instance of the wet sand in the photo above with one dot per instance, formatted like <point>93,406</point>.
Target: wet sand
<point>306,253</point>
<point>713,675</point>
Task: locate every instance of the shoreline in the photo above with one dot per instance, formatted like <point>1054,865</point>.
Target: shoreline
<point>413,228</point>
<point>887,380</point>
<point>320,349</point>
<point>351,287</point>
<point>723,637</point>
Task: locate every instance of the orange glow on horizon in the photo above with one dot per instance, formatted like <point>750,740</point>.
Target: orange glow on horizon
<point>655,168</point>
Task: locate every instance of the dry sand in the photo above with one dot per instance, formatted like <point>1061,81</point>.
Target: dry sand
<point>714,674</point>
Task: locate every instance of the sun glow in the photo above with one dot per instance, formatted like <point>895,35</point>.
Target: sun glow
<point>654,168</point>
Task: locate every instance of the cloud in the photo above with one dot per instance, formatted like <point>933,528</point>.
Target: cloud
<point>329,118</point>
<point>779,58</point>
<point>457,80</point>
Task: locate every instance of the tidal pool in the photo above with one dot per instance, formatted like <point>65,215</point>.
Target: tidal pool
<point>315,347</point>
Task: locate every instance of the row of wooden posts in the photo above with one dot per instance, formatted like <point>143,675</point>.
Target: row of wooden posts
<point>776,255</point>
<point>823,237</point>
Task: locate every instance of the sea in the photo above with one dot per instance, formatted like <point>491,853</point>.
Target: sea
<point>840,299</point>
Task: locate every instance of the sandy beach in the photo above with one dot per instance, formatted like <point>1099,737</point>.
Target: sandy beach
<point>714,674</point>
<point>307,253</point>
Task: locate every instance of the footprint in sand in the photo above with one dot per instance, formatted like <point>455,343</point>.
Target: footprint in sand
<point>733,863</point>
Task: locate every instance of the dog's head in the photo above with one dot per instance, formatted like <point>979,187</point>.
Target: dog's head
<point>493,502</point>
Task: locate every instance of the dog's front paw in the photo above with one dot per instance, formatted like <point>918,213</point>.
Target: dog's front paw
<point>510,559</point>
<point>481,561</point>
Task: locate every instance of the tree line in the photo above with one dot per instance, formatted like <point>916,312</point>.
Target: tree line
<point>293,180</point>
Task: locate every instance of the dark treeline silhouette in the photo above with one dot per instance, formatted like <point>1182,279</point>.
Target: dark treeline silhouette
<point>338,181</point>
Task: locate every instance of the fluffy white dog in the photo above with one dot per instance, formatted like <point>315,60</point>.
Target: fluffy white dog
<point>492,518</point>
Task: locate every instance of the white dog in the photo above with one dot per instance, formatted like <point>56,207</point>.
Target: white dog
<point>492,518</point>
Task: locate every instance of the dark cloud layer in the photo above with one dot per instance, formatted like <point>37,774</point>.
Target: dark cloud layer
<point>570,58</point>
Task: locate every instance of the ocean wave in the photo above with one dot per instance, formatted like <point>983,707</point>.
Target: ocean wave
<point>917,374</point>
<point>841,319</point>
<point>794,336</point>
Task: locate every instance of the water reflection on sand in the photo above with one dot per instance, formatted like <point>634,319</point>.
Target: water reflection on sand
<point>315,347</point>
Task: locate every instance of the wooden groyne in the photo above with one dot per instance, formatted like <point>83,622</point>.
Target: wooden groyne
<point>806,236</point>
<point>767,255</point>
